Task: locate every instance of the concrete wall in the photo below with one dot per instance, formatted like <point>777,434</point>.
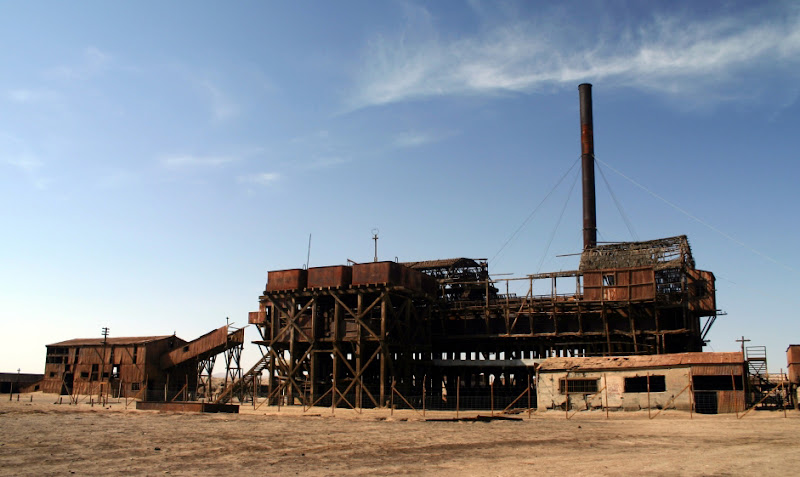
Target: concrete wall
<point>676,379</point>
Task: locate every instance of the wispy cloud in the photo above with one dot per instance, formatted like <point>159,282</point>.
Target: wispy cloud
<point>15,153</point>
<point>326,162</point>
<point>417,138</point>
<point>29,95</point>
<point>673,54</point>
<point>92,61</point>
<point>189,161</point>
<point>222,106</point>
<point>260,178</point>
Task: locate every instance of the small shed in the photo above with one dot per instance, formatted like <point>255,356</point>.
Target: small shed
<point>709,383</point>
<point>20,382</point>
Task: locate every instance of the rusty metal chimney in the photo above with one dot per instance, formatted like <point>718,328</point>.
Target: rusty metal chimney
<point>587,165</point>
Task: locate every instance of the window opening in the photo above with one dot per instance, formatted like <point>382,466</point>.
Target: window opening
<point>638,384</point>
<point>578,386</point>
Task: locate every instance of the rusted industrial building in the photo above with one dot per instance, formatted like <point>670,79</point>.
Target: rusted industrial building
<point>145,367</point>
<point>793,372</point>
<point>709,383</point>
<point>353,335</point>
<point>96,365</point>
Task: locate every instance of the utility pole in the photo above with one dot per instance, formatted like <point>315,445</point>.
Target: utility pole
<point>104,331</point>
<point>743,341</point>
<point>745,371</point>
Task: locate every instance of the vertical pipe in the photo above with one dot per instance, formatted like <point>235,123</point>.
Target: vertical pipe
<point>587,166</point>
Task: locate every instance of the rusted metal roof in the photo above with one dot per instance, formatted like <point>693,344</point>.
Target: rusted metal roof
<point>442,263</point>
<point>670,252</point>
<point>640,361</point>
<point>111,341</point>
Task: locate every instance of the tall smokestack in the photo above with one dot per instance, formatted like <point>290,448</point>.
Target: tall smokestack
<point>587,165</point>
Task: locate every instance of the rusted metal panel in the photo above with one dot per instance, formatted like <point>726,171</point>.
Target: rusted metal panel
<point>388,273</point>
<point>733,359</point>
<point>627,284</point>
<point>793,360</point>
<point>593,285</point>
<point>109,341</point>
<point>334,277</point>
<point>702,291</point>
<point>730,401</point>
<point>384,273</point>
<point>283,280</point>
<point>257,317</point>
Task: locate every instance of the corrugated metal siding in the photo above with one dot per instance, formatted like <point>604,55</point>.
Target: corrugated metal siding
<point>717,369</point>
<point>730,401</point>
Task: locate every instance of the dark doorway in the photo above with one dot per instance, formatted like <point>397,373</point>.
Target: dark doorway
<point>67,387</point>
<point>705,402</point>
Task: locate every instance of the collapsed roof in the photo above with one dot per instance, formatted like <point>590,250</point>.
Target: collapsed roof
<point>670,252</point>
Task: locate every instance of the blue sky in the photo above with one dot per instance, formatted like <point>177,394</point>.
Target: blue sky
<point>157,159</point>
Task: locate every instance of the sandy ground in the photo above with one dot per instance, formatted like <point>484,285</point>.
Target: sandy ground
<point>43,438</point>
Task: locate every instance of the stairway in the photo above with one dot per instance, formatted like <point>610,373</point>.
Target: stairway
<point>245,383</point>
<point>759,383</point>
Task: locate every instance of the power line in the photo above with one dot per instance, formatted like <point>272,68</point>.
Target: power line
<point>622,213</point>
<point>536,209</point>
<point>555,229</point>
<point>697,219</point>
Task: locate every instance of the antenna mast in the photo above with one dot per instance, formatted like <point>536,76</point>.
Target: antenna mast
<point>375,238</point>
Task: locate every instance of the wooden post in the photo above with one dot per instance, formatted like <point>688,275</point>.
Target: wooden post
<point>391,411</point>
<point>691,395</point>
<point>566,395</point>
<point>384,356</point>
<point>458,394</point>
<point>359,389</point>
<point>529,395</point>
<point>605,391</point>
<point>648,395</point>
<point>783,389</point>
<point>733,386</point>
<point>313,356</point>
<point>423,394</point>
<point>491,396</point>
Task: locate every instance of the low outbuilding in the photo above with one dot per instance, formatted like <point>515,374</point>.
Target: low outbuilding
<point>705,382</point>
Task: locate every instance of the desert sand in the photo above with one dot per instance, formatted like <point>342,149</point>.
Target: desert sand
<point>40,437</point>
